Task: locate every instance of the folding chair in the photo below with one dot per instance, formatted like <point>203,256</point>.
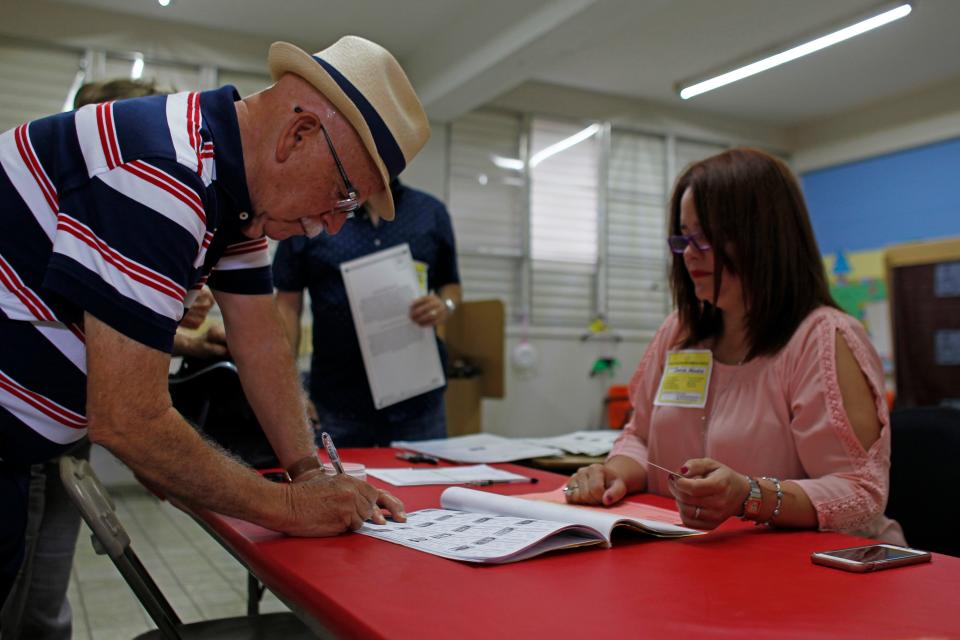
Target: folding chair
<point>209,395</point>
<point>110,538</point>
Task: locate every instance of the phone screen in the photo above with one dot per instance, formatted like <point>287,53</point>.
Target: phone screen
<point>872,553</point>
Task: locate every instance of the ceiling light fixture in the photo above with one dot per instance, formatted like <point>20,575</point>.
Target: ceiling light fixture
<point>564,144</point>
<point>164,3</point>
<point>688,90</point>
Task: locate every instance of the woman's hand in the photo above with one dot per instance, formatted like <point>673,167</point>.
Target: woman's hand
<point>596,484</point>
<point>708,493</point>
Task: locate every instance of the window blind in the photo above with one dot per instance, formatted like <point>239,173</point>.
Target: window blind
<point>488,205</point>
<point>637,259</point>
<point>564,159</point>
<point>35,81</point>
<point>572,249</point>
<point>690,151</point>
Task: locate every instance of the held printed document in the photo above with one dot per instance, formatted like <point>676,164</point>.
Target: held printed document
<point>477,526</point>
<point>400,357</point>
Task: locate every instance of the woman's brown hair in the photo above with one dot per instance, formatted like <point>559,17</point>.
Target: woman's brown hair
<point>753,213</point>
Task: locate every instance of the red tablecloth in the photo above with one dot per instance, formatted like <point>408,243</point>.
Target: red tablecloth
<point>738,582</point>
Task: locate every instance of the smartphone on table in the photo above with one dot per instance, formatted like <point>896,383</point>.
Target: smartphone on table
<point>871,557</point>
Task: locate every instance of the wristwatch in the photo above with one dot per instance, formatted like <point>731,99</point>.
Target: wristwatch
<point>450,305</point>
<point>301,466</point>
<point>754,501</point>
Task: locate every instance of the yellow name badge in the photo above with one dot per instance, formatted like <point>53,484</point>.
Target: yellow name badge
<point>686,378</point>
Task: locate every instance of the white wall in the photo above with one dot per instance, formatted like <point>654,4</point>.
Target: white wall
<point>559,396</point>
<point>929,115</point>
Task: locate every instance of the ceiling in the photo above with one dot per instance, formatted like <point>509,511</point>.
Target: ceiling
<point>461,54</point>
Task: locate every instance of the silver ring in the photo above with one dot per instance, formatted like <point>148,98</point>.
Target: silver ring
<point>570,488</point>
<point>696,514</point>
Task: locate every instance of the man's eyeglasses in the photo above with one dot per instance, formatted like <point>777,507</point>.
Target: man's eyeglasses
<point>351,202</point>
<point>679,244</point>
<point>348,204</point>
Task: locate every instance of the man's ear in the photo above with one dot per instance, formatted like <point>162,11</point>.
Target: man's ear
<point>298,132</point>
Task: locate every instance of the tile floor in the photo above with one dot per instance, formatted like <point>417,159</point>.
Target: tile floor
<point>199,578</point>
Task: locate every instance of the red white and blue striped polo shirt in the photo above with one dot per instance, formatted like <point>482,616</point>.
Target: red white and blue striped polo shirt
<point>123,210</point>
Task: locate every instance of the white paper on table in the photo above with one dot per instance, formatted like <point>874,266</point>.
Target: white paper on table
<point>444,475</point>
<point>479,447</point>
<point>587,443</point>
<point>401,358</point>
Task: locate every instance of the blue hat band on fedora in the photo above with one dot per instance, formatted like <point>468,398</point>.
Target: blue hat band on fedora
<point>387,145</point>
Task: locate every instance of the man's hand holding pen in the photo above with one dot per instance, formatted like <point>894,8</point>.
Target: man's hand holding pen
<point>329,505</point>
<point>382,499</point>
<point>322,505</point>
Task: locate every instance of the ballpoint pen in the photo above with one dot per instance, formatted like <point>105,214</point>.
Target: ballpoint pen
<point>335,461</point>
<point>656,466</point>
<point>331,451</point>
<point>417,457</point>
<point>487,483</point>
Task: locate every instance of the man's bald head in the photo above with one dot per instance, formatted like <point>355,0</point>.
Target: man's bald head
<point>291,172</point>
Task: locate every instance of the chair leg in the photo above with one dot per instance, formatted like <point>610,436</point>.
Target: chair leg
<point>149,594</point>
<point>254,594</point>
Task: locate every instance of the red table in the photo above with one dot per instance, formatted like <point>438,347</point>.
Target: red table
<point>738,582</point>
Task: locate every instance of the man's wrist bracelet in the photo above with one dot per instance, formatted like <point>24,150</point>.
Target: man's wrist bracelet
<point>303,465</point>
<point>776,507</point>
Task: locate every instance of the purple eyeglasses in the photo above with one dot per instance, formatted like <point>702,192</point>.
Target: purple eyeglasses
<point>679,244</point>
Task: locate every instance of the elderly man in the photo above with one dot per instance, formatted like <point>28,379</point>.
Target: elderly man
<point>114,216</point>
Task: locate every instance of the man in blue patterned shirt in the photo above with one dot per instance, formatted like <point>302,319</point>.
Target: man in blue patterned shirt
<point>339,389</point>
<point>114,216</point>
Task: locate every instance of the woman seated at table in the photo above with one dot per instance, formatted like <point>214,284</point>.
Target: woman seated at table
<point>790,428</point>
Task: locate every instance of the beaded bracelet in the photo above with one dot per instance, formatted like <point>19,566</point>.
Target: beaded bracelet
<point>776,508</point>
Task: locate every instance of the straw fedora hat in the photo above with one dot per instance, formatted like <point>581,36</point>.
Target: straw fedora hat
<point>366,84</point>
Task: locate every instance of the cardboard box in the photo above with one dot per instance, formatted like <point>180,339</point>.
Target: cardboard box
<point>475,333</point>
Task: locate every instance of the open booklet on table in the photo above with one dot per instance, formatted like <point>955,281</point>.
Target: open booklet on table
<point>477,526</point>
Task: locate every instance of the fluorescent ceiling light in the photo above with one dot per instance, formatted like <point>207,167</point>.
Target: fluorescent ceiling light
<point>564,144</point>
<point>688,91</point>
<point>515,164</point>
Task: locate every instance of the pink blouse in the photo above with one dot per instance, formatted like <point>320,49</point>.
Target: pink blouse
<point>779,416</point>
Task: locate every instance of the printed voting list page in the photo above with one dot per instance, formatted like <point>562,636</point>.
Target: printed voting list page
<point>400,357</point>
